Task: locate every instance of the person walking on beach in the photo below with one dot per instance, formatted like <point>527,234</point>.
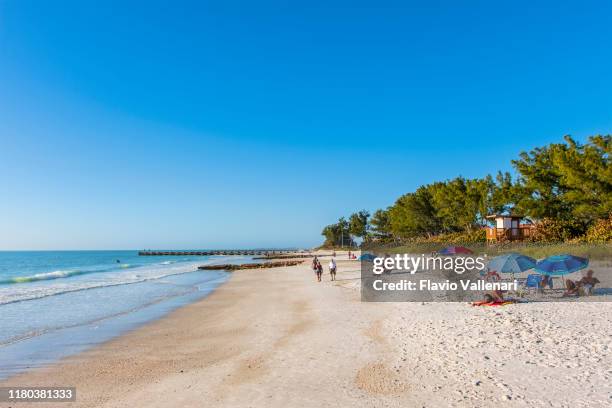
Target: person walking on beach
<point>315,264</point>
<point>319,271</point>
<point>332,269</point>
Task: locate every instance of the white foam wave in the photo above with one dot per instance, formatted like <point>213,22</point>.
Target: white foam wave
<point>49,284</point>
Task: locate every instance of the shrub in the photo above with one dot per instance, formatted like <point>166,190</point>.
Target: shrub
<point>553,230</point>
<point>600,231</point>
<point>468,237</point>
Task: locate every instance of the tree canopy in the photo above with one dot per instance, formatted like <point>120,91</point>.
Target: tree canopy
<point>566,182</point>
<point>338,234</point>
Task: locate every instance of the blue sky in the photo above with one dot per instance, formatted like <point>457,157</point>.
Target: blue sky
<point>254,124</point>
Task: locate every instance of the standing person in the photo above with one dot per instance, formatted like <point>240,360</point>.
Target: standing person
<point>319,271</point>
<point>332,269</point>
<point>315,263</point>
<point>349,254</point>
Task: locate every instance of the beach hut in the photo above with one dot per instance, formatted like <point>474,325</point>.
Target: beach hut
<point>508,227</point>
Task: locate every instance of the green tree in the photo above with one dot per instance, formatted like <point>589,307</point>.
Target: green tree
<point>381,225</point>
<point>539,190</point>
<point>413,214</point>
<point>337,234</point>
<point>457,205</point>
<point>502,194</point>
<point>567,185</point>
<point>566,181</point>
<point>358,223</point>
<point>586,176</point>
<point>461,204</point>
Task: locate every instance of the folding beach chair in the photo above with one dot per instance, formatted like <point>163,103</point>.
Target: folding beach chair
<point>533,281</point>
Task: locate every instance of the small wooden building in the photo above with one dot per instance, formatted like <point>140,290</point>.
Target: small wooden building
<point>508,228</point>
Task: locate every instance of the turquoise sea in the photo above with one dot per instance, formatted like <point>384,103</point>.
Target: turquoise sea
<point>56,303</point>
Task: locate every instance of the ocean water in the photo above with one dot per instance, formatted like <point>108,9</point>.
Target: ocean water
<point>56,303</point>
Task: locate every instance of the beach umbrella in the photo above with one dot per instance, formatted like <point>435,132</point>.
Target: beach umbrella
<point>511,263</point>
<point>454,250</point>
<point>561,264</point>
<point>367,257</point>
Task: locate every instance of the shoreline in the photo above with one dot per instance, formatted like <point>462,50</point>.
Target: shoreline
<point>66,318</point>
<point>48,346</point>
<point>120,372</point>
<point>275,337</point>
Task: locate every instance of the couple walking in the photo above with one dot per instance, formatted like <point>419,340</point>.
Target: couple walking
<point>318,268</point>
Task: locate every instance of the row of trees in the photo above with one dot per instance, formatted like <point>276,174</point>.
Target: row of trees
<point>568,182</point>
<point>343,232</point>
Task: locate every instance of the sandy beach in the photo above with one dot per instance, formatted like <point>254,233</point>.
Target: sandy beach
<point>169,171</point>
<point>277,338</point>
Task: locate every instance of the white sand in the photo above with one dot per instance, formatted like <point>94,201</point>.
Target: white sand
<point>277,338</point>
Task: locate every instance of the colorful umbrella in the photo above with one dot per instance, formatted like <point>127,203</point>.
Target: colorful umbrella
<point>561,264</point>
<point>511,263</point>
<point>367,257</point>
<point>454,250</point>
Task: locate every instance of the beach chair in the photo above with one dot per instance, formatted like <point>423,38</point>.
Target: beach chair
<point>533,281</point>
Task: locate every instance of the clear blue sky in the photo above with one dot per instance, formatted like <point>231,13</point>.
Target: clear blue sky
<point>243,124</point>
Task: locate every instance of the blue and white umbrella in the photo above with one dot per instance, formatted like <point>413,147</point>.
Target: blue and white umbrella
<point>367,257</point>
<point>511,263</point>
<point>561,264</point>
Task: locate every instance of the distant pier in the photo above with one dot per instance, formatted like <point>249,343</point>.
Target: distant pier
<point>248,252</point>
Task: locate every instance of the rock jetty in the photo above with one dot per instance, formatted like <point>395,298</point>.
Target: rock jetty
<point>232,267</point>
<point>291,256</point>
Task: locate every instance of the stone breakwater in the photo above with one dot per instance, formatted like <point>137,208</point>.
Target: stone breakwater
<point>226,252</point>
<point>290,256</point>
<point>229,267</point>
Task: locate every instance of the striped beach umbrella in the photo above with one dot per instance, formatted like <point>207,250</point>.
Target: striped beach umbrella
<point>561,264</point>
<point>511,263</point>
